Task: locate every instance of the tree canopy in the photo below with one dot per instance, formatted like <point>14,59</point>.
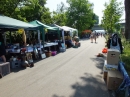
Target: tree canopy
<point>26,10</point>
<point>80,14</point>
<point>112,16</point>
<point>59,16</point>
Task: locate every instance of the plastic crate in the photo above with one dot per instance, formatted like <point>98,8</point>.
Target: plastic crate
<point>62,49</point>
<point>15,64</point>
<point>4,68</point>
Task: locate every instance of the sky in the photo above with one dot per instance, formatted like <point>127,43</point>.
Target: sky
<point>98,6</point>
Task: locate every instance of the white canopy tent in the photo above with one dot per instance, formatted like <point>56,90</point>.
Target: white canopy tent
<point>100,31</point>
<point>72,30</point>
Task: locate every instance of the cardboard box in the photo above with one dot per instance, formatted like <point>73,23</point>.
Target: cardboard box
<point>114,79</point>
<point>113,56</point>
<point>104,75</point>
<point>48,54</point>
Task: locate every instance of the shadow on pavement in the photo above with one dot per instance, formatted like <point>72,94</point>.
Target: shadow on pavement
<point>88,87</point>
<point>99,62</point>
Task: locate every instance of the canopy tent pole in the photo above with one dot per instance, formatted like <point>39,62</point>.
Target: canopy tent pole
<point>58,33</point>
<point>43,36</point>
<point>39,40</point>
<point>10,36</point>
<point>38,36</point>
<point>5,38</point>
<point>63,37</point>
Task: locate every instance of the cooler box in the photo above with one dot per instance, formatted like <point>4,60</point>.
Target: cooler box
<point>113,56</point>
<point>114,79</point>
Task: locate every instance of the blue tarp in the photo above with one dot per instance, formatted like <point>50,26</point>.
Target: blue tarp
<point>126,79</point>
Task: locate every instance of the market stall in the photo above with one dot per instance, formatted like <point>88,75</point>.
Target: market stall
<point>70,38</point>
<point>47,39</point>
<point>9,25</point>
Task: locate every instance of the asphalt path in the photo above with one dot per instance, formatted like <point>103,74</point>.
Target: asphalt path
<point>74,73</point>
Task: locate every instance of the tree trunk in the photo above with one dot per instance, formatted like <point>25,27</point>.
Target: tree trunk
<point>127,19</point>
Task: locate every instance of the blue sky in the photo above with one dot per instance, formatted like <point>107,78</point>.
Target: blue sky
<point>98,6</point>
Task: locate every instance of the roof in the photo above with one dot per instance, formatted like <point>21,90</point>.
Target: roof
<point>38,24</point>
<point>54,25</point>
<point>66,28</point>
<point>87,31</point>
<point>10,23</point>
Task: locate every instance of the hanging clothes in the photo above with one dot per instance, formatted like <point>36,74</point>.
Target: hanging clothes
<point>115,43</point>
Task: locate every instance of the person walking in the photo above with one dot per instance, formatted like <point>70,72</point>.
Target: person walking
<point>95,36</point>
<point>91,37</point>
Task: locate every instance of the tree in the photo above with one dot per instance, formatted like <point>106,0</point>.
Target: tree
<point>127,19</point>
<point>112,14</point>
<point>8,7</point>
<point>35,10</point>
<point>80,14</point>
<point>26,10</point>
<point>59,16</point>
<point>96,18</point>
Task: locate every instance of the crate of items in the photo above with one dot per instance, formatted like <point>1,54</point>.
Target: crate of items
<point>4,68</point>
<point>108,67</point>
<point>15,63</point>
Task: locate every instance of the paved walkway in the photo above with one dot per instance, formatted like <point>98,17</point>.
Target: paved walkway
<point>74,73</point>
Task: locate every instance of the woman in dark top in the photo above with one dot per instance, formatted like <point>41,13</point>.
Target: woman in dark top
<point>2,48</point>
